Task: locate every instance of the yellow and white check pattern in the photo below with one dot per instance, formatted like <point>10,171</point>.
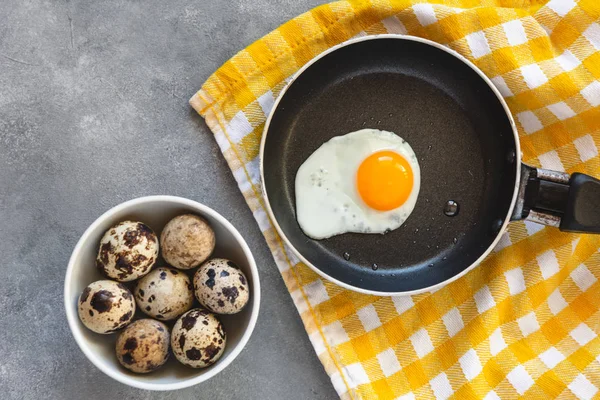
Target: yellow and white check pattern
<point>524,323</point>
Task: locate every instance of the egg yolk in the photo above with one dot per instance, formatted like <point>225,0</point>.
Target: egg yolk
<point>384,180</point>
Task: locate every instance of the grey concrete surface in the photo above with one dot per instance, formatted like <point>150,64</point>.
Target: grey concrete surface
<point>93,112</point>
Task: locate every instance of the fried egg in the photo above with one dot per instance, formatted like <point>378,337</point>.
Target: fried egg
<point>366,181</point>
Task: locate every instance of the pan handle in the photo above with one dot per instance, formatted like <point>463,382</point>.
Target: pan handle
<point>568,202</point>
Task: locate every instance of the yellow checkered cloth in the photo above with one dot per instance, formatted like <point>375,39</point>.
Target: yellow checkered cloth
<point>524,323</point>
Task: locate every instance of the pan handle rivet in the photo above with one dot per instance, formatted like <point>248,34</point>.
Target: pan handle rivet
<point>510,157</point>
<point>451,208</point>
<point>346,256</point>
<point>496,226</point>
<point>375,267</point>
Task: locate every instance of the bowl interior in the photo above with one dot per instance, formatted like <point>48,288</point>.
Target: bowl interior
<point>156,213</point>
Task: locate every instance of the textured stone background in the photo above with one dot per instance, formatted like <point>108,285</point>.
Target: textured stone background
<point>93,112</point>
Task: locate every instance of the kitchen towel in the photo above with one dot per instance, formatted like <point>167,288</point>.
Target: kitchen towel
<point>526,321</point>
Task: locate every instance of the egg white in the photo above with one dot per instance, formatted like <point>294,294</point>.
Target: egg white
<point>327,200</point>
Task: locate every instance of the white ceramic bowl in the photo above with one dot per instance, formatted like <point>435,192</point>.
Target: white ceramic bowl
<point>156,211</point>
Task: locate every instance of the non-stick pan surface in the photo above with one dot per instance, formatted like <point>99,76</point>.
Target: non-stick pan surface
<point>458,129</point>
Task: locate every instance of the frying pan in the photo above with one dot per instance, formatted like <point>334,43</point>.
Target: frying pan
<point>468,150</point>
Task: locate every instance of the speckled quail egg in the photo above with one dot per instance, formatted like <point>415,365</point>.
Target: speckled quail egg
<point>105,306</point>
<point>143,346</point>
<point>198,339</point>
<point>221,286</point>
<point>164,293</point>
<point>187,241</point>
<point>127,251</point>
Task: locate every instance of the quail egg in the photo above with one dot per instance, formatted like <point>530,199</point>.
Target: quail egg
<point>127,251</point>
<point>198,339</point>
<point>143,346</point>
<point>165,293</point>
<point>221,286</point>
<point>366,181</point>
<point>187,241</point>
<point>105,306</point>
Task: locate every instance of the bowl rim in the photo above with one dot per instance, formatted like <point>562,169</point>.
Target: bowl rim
<point>117,375</point>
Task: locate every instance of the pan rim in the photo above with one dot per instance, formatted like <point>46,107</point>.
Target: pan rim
<point>518,158</point>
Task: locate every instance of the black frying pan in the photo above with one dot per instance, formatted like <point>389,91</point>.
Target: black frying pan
<point>468,151</point>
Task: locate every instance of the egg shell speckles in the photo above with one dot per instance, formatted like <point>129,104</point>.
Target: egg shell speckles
<point>221,286</point>
<point>127,251</point>
<point>105,306</point>
<point>198,339</point>
<point>164,293</point>
<point>143,346</point>
<point>187,241</point>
